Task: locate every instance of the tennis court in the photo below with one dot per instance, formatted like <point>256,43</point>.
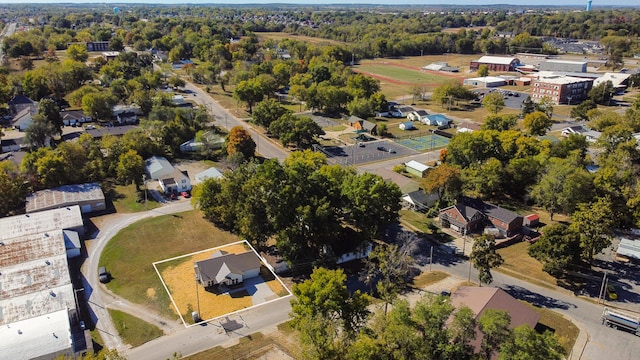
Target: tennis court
<point>423,143</point>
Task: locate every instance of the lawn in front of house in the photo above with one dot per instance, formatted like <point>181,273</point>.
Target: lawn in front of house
<point>518,264</point>
<point>125,199</point>
<point>130,254</point>
<point>133,330</point>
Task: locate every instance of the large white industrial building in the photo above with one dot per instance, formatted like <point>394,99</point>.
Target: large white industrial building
<point>38,308</point>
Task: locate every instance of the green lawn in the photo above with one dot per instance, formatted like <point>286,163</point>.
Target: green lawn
<point>519,264</point>
<point>125,200</point>
<point>133,330</point>
<point>130,254</point>
<point>404,74</point>
<point>428,278</point>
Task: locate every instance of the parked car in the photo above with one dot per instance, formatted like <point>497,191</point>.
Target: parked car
<point>382,148</point>
<point>611,292</point>
<point>360,144</point>
<point>104,275</point>
<point>185,194</point>
<point>391,151</point>
<point>82,325</point>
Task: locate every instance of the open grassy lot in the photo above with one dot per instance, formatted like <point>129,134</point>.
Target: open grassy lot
<point>402,74</point>
<point>418,220</point>
<point>130,254</point>
<point>566,331</point>
<point>276,345</point>
<point>428,278</point>
<point>125,200</point>
<point>307,39</point>
<point>133,330</point>
<point>459,60</point>
<point>519,264</point>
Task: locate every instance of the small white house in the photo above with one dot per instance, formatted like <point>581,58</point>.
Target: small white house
<point>361,252</point>
<point>417,115</point>
<point>210,173</point>
<point>175,182</point>
<point>436,120</point>
<point>407,125</point>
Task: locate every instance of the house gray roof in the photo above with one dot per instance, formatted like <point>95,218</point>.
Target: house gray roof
<point>418,197</point>
<point>21,99</point>
<point>488,209</point>
<point>221,264</point>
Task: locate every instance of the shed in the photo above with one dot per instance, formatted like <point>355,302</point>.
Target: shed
<point>416,168</point>
<point>407,125</point>
<point>210,173</point>
<point>531,220</point>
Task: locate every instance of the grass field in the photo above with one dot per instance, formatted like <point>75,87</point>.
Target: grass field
<point>428,278</point>
<point>403,74</point>
<point>307,39</point>
<point>134,331</point>
<point>125,200</point>
<point>519,264</point>
<point>152,240</point>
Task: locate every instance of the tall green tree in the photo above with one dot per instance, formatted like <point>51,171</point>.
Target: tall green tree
<point>39,131</point>
<point>493,102</point>
<point>51,112</point>
<point>130,168</point>
<point>526,343</point>
<point>557,249</point>
<point>527,107</point>
<point>494,325</point>
<point>13,189</point>
<point>268,111</point>
<point>483,70</point>
<point>594,223</point>
<point>299,131</point>
<point>485,257</point>
<point>537,123</point>
<point>325,313</point>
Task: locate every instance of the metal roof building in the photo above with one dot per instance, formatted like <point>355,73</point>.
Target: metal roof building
<point>88,196</point>
<point>629,249</point>
<point>564,65</point>
<point>37,300</point>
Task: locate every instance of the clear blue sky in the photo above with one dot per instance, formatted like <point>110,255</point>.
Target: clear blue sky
<point>596,3</point>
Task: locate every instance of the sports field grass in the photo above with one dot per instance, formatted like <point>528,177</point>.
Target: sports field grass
<point>403,74</point>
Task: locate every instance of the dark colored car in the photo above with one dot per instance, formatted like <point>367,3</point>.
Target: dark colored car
<point>382,148</point>
<point>103,275</point>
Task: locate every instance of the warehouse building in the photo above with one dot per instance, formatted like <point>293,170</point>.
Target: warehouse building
<point>564,66</point>
<point>38,314</point>
<point>89,197</point>
<point>485,82</point>
<point>561,89</point>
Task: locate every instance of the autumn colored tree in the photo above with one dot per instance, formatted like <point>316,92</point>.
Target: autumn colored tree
<point>443,180</point>
<point>240,141</point>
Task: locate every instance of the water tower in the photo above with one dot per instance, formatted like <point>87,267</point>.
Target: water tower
<point>589,5</point>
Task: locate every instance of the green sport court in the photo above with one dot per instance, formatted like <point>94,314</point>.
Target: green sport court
<point>423,143</point>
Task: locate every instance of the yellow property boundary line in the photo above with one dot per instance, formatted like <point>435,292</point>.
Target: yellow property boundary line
<point>262,260</point>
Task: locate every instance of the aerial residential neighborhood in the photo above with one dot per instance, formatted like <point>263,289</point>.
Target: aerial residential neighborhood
<point>320,181</point>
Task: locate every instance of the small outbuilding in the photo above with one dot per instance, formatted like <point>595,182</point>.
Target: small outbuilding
<point>416,168</point>
<point>531,220</point>
<point>210,173</point>
<point>407,125</point>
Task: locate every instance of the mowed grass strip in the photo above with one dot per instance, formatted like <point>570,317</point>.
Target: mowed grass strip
<point>429,278</point>
<point>126,200</point>
<point>133,330</point>
<point>130,254</point>
<point>402,74</point>
<point>519,264</point>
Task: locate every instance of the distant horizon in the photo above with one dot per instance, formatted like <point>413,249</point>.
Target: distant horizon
<point>569,3</point>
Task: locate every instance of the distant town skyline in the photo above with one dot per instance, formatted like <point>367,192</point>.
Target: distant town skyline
<point>572,3</point>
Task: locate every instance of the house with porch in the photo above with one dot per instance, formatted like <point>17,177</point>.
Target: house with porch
<point>362,125</point>
<point>417,115</point>
<point>223,268</point>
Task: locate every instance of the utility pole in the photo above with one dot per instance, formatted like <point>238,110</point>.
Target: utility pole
<point>601,295</point>
<point>431,259</point>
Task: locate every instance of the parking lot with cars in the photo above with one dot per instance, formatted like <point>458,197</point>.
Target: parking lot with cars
<point>512,99</point>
